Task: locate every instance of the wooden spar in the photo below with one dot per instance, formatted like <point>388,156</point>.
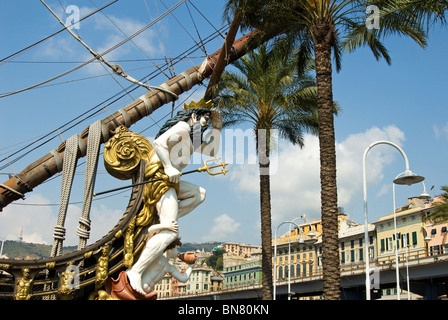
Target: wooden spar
<point>223,56</point>
<point>44,168</point>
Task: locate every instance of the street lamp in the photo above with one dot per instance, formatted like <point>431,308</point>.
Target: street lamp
<point>397,270</point>
<point>408,179</point>
<point>426,239</point>
<point>289,258</point>
<point>424,195</point>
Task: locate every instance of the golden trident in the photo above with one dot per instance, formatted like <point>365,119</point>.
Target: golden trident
<point>205,167</point>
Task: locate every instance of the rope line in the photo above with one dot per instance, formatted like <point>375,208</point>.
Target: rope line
<point>68,170</point>
<point>12,56</point>
<point>98,55</point>
<point>94,111</point>
<point>93,147</point>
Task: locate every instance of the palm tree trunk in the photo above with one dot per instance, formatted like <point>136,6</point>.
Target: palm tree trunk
<point>329,195</point>
<point>266,231</point>
<point>265,213</point>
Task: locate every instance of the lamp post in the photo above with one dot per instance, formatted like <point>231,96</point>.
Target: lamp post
<point>408,179</point>
<point>310,234</point>
<point>427,239</point>
<point>275,254</point>
<point>397,270</point>
<point>424,195</point>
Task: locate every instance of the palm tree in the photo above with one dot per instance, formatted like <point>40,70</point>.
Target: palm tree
<point>440,212</point>
<point>323,28</point>
<point>268,94</point>
<point>426,12</point>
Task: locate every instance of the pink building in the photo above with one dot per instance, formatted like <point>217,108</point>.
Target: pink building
<point>439,236</point>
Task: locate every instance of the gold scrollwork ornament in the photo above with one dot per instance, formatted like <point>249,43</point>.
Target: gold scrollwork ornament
<point>124,151</point>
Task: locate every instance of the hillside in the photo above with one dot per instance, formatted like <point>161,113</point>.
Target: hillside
<point>26,250</point>
<point>193,246</point>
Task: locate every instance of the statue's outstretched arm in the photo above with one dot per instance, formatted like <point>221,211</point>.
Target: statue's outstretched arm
<point>182,277</point>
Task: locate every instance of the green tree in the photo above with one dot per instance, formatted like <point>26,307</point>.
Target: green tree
<point>215,260</point>
<point>324,29</point>
<point>271,96</point>
<point>440,211</point>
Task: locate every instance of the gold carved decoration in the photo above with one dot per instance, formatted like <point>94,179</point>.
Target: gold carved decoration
<point>103,295</point>
<point>102,268</point>
<point>24,286</point>
<point>122,156</point>
<point>66,288</point>
<point>88,254</point>
<point>128,252</point>
<point>152,192</point>
<point>50,265</point>
<point>124,151</point>
<point>4,266</point>
<point>200,104</point>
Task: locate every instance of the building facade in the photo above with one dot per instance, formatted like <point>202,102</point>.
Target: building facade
<point>240,249</point>
<point>411,234</point>
<point>245,274</point>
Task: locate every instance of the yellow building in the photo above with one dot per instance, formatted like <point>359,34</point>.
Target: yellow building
<point>410,230</point>
<point>299,247</point>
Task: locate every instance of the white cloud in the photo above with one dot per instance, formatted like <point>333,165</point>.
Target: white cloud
<point>440,132</point>
<point>223,226</point>
<point>34,220</point>
<point>37,219</point>
<point>295,185</point>
<point>100,34</point>
<point>114,29</point>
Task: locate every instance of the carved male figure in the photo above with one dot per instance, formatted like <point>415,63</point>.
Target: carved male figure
<point>174,145</point>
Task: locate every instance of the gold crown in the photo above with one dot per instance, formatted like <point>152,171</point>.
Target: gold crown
<point>200,104</point>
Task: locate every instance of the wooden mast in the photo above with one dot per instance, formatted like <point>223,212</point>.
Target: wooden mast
<point>44,168</point>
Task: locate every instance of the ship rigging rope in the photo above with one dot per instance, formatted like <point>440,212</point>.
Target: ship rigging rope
<point>12,56</point>
<point>93,148</point>
<point>79,164</point>
<point>100,54</point>
<point>68,170</point>
<point>117,69</point>
<point>96,109</point>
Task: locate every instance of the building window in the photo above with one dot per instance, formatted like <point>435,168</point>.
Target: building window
<point>280,272</point>
<point>390,244</point>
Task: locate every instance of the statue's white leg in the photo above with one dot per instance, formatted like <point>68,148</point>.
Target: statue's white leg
<point>190,196</point>
<point>168,209</point>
